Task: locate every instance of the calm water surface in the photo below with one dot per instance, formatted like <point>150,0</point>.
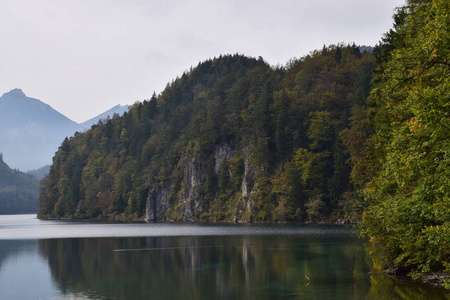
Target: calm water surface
<point>85,260</point>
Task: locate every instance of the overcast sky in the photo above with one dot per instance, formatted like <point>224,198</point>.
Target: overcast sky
<point>83,57</point>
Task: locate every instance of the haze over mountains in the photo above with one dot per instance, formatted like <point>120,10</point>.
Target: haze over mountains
<point>18,191</point>
<point>118,109</point>
<point>31,131</point>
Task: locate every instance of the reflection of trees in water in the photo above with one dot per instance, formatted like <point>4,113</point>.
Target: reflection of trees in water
<point>257,267</point>
<point>383,287</point>
<point>16,247</point>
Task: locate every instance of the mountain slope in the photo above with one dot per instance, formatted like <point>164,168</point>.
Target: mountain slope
<point>233,139</point>
<point>118,109</point>
<point>18,191</point>
<point>30,130</point>
<point>20,109</point>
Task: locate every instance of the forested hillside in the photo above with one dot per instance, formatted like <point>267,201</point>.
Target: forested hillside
<point>408,192</point>
<point>232,139</point>
<point>18,191</point>
<point>317,140</point>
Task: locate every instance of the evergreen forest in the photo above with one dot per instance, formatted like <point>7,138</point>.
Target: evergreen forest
<point>19,192</point>
<point>232,139</point>
<point>340,135</point>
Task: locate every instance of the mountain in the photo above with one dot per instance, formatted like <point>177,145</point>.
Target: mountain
<point>40,173</point>
<point>18,191</point>
<point>118,109</point>
<point>31,131</point>
<point>233,139</point>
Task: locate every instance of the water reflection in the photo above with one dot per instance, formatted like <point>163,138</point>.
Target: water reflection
<point>383,287</point>
<point>23,273</point>
<point>199,267</point>
<point>96,261</point>
<point>264,267</point>
<point>237,267</point>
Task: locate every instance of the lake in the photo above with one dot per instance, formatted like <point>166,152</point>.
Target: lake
<point>93,260</point>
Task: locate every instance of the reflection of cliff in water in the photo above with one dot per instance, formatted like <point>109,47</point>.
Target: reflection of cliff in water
<point>207,267</point>
<point>256,267</point>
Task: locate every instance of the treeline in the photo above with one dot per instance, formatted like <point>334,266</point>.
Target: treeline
<point>19,191</point>
<point>408,192</point>
<point>232,139</point>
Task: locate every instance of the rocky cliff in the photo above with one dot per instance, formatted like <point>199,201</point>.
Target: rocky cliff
<point>231,140</point>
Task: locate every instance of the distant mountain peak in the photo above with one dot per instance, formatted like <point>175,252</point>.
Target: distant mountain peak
<point>3,165</point>
<point>16,93</point>
<point>31,130</point>
<point>118,109</point>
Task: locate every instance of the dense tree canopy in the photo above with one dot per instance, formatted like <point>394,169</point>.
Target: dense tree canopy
<point>19,192</point>
<point>408,219</point>
<point>232,139</point>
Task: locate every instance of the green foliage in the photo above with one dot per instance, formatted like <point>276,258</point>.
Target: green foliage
<point>18,191</point>
<point>408,218</point>
<point>288,189</point>
<point>222,142</point>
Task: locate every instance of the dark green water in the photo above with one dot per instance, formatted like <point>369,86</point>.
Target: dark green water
<point>190,261</point>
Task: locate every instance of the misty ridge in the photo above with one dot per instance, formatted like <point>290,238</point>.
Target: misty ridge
<point>19,191</point>
<point>31,131</point>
